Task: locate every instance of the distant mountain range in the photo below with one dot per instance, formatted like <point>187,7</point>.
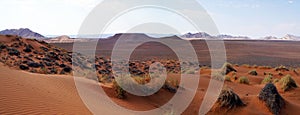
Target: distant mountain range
<point>27,33</point>
<point>287,37</point>
<point>203,35</point>
<point>23,32</point>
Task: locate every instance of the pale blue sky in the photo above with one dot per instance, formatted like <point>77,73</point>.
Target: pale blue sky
<point>254,18</point>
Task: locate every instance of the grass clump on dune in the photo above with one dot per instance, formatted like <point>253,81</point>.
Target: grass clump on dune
<point>120,93</point>
<point>228,100</point>
<point>281,68</point>
<point>227,78</point>
<point>227,68</point>
<point>218,76</point>
<point>272,99</point>
<point>243,80</point>
<point>252,72</point>
<point>286,83</point>
<point>267,79</point>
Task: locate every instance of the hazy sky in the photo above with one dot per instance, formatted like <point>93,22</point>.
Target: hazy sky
<point>254,18</point>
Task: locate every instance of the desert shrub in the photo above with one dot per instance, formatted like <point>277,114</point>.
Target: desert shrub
<point>227,78</point>
<point>33,64</point>
<point>255,66</point>
<point>218,76</point>
<point>287,83</point>
<point>281,68</point>
<point>2,46</point>
<point>120,93</point>
<point>141,80</point>
<point>171,85</point>
<point>23,67</point>
<point>227,68</point>
<point>234,76</point>
<point>229,100</point>
<point>272,99</point>
<point>27,49</point>
<point>103,78</point>
<point>246,65</point>
<point>275,80</point>
<point>280,73</point>
<point>243,80</point>
<point>13,51</point>
<point>169,88</point>
<point>43,70</point>
<point>265,67</point>
<point>67,69</point>
<point>267,79</point>
<point>268,73</point>
<point>44,49</point>
<point>190,71</point>
<point>252,72</point>
<point>296,72</point>
<point>172,82</point>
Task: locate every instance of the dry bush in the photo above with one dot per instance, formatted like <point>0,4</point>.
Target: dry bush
<point>227,68</point>
<point>252,72</point>
<point>267,79</point>
<point>227,78</point>
<point>272,99</point>
<point>228,100</point>
<point>281,68</point>
<point>218,76</point>
<point>243,80</point>
<point>120,93</point>
<point>286,83</point>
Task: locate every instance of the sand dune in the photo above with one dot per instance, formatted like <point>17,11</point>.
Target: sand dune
<point>26,93</point>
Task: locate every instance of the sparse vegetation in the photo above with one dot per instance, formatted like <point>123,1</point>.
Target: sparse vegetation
<point>218,76</point>
<point>243,80</point>
<point>280,73</point>
<point>272,98</point>
<point>265,67</point>
<point>227,78</point>
<point>268,73</point>
<point>246,65</point>
<point>227,68</point>
<point>229,100</point>
<point>13,51</point>
<point>281,68</point>
<point>120,93</point>
<point>275,80</point>
<point>252,72</point>
<point>171,85</point>
<point>267,79</point>
<point>255,66</point>
<point>286,83</point>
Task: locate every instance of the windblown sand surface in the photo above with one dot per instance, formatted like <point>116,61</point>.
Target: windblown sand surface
<point>26,93</point>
